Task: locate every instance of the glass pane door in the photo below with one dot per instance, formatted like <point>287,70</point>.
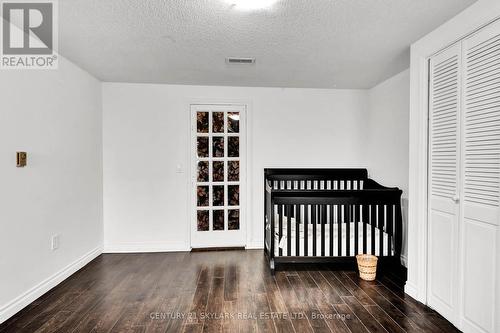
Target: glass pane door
<point>218,149</point>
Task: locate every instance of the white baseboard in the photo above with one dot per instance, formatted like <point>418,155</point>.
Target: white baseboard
<point>147,247</point>
<point>411,290</point>
<point>31,295</point>
<point>259,245</point>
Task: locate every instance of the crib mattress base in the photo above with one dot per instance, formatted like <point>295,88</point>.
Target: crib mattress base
<point>282,244</point>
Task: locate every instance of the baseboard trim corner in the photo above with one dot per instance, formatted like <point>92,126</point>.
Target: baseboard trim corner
<point>32,294</point>
<point>411,290</point>
<point>255,245</point>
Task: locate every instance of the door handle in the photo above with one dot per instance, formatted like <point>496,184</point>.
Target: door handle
<point>455,199</point>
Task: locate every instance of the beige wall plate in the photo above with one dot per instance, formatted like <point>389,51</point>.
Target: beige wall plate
<point>21,159</point>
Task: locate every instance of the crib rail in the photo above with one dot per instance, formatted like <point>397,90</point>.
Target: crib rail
<point>315,179</point>
<point>315,174</point>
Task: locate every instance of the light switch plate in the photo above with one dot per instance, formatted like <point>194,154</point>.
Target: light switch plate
<point>21,159</point>
<point>54,245</point>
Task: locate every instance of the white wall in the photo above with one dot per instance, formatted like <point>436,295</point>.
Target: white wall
<point>387,140</point>
<point>56,117</point>
<point>146,135</point>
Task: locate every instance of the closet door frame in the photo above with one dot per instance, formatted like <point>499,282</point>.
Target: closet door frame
<point>464,209</point>
<point>468,22</point>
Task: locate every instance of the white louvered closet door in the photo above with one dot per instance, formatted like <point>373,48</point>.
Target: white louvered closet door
<point>444,157</point>
<point>464,182</point>
<point>481,181</point>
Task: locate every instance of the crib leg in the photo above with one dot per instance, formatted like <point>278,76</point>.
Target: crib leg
<point>271,266</point>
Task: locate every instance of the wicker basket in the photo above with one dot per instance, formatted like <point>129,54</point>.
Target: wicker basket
<point>367,265</point>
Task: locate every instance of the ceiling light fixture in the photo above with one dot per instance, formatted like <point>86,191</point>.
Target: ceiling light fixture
<point>251,4</point>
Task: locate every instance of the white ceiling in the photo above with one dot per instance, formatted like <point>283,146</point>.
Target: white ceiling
<point>298,43</point>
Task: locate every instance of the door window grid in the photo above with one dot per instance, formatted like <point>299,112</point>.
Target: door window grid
<point>231,129</point>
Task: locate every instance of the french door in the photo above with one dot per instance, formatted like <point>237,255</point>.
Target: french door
<point>464,182</point>
<point>218,175</point>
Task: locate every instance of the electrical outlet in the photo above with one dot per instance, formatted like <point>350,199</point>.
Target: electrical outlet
<point>54,245</point>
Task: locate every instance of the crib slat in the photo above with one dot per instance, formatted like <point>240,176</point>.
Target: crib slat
<point>381,221</point>
<point>323,222</point>
<point>339,233</point>
<point>373,222</point>
<point>347,218</point>
<point>355,213</point>
<point>289,230</point>
<point>314,234</point>
<point>331,230</point>
<point>356,231</point>
<point>280,228</point>
<point>273,232</point>
<point>390,221</point>
<point>306,229</point>
<point>366,215</point>
<point>398,233</point>
<point>297,231</point>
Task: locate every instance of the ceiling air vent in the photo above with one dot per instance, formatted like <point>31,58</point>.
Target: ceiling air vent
<point>240,61</point>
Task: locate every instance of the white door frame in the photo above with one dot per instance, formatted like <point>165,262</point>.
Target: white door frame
<point>245,201</point>
<point>470,20</point>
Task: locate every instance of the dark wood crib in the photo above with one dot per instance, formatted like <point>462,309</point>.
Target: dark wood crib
<point>317,216</point>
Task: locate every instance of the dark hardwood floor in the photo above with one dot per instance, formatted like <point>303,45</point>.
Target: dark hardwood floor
<point>229,291</point>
